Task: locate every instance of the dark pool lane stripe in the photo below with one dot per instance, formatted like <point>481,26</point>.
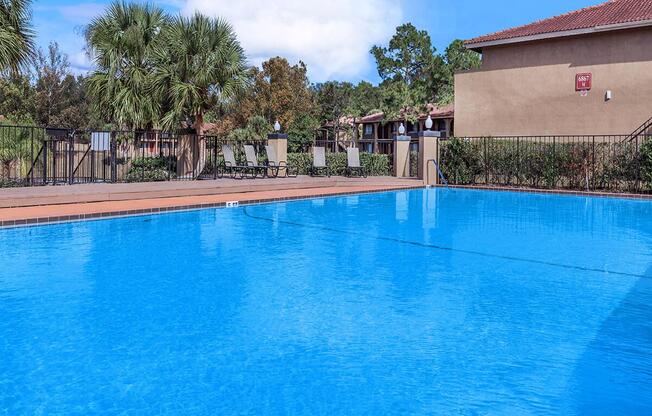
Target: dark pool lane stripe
<point>442,248</point>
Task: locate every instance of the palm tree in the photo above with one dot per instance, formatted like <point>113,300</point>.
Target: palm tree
<point>16,34</point>
<point>121,42</point>
<point>201,65</point>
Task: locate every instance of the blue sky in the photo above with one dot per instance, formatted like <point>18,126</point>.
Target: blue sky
<point>333,37</point>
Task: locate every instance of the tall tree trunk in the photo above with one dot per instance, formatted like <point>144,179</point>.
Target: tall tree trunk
<point>6,169</point>
<point>199,124</point>
<point>198,147</point>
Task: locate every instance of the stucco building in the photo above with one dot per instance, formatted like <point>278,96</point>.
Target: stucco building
<point>584,72</point>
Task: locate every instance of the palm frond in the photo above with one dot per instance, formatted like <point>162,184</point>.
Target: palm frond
<point>121,43</point>
<point>16,35</point>
<point>201,66</point>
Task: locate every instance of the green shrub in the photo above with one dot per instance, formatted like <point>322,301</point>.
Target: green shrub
<point>646,163</point>
<point>548,162</point>
<point>460,160</point>
<point>414,163</point>
<point>502,161</point>
<point>149,175</point>
<point>375,164</point>
<point>152,169</point>
<point>300,161</point>
<point>11,183</point>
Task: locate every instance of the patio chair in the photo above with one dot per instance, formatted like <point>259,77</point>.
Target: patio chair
<point>230,165</point>
<point>319,167</point>
<point>276,165</point>
<point>252,161</point>
<point>353,166</point>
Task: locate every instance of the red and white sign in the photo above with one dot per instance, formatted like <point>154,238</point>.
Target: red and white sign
<point>583,81</point>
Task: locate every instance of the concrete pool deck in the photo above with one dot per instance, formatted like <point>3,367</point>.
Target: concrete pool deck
<point>47,204</point>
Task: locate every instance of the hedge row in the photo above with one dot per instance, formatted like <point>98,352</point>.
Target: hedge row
<point>608,165</point>
<point>152,169</point>
<point>375,164</point>
<point>11,183</point>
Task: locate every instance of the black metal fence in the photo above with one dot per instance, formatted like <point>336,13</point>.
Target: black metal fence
<point>380,146</point>
<point>595,163</point>
<point>39,156</point>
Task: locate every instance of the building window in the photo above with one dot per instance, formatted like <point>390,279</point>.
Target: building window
<point>368,129</point>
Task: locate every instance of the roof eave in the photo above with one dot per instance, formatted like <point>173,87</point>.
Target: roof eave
<point>478,46</point>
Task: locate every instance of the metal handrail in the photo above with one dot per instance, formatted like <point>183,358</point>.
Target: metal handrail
<point>642,129</point>
<point>439,172</point>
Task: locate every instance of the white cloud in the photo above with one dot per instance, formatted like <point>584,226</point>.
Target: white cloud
<point>80,63</point>
<point>332,37</point>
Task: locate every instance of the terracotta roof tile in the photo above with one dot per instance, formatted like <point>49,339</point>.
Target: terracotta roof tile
<point>372,118</point>
<point>610,13</point>
<point>447,111</point>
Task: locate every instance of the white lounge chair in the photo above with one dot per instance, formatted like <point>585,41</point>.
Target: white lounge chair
<point>252,162</point>
<point>230,165</point>
<point>276,165</point>
<point>353,165</point>
<point>319,162</point>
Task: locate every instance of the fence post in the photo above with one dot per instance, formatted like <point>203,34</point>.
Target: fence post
<point>486,163</point>
<point>593,163</point>
<point>172,153</point>
<point>113,154</point>
<point>93,165</point>
<point>141,142</point>
<point>45,161</point>
<point>55,144</point>
<point>554,161</point>
<point>637,157</point>
<point>71,157</point>
<point>31,159</point>
<point>215,157</point>
<point>518,162</point>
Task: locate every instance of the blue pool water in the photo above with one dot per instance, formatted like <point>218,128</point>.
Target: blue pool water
<point>416,302</point>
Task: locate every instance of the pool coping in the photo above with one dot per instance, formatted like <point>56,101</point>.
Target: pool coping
<point>31,222</point>
<point>565,192</point>
<point>253,201</point>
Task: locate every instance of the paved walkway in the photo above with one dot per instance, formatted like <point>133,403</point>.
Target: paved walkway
<point>98,192</point>
<point>67,203</point>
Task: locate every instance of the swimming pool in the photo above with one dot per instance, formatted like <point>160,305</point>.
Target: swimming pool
<point>425,301</point>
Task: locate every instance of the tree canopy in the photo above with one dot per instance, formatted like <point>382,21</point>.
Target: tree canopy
<point>157,71</point>
<point>200,65</point>
<point>59,96</point>
<point>414,74</point>
<point>153,70</point>
<point>121,43</point>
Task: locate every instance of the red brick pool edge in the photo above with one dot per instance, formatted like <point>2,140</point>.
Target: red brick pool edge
<point>44,214</point>
<point>75,211</point>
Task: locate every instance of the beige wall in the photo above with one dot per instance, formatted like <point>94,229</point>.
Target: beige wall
<point>529,89</point>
